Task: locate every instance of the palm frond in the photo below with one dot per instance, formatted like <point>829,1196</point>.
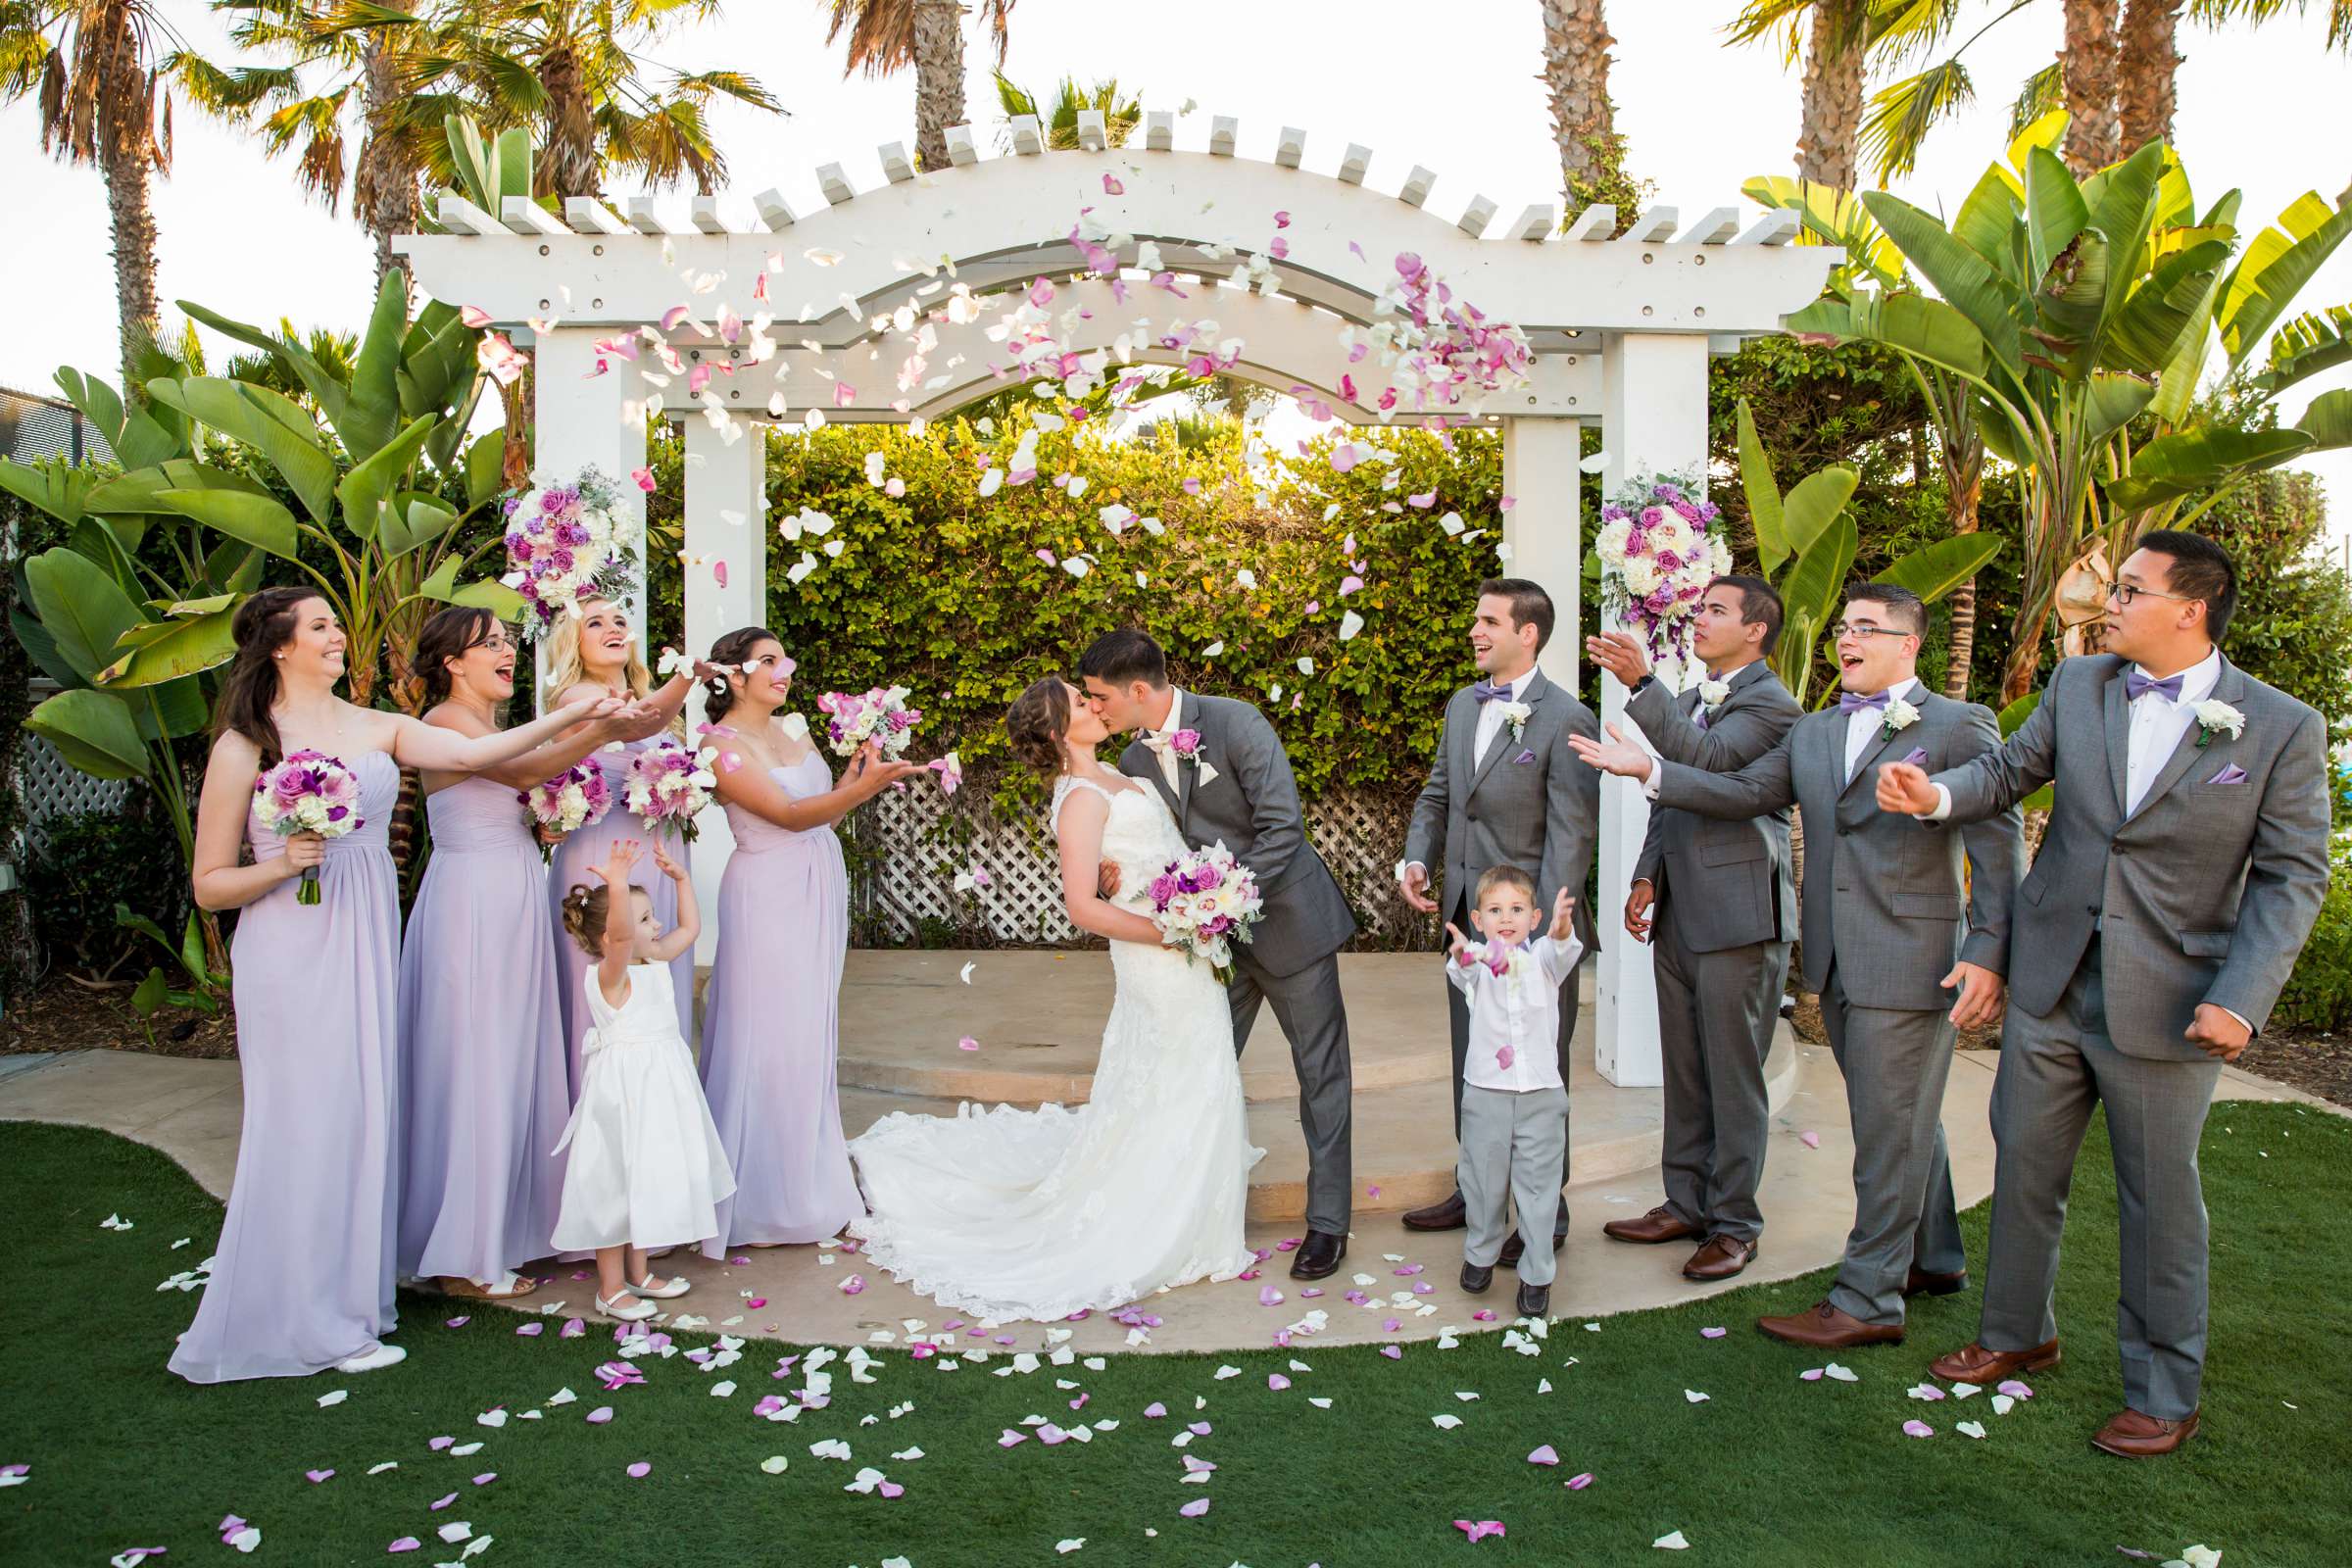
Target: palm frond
<point>1759,18</point>
<point>1902,113</point>
<point>1910,29</point>
<point>734,84</point>
<point>2043,92</point>
<point>881,34</point>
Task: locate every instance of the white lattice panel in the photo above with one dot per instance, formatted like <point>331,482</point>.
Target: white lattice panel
<point>50,786</point>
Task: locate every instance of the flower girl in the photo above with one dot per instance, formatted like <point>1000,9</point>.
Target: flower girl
<point>647,1169</point>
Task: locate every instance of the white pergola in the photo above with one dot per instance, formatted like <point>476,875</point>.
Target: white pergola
<point>1621,330</point>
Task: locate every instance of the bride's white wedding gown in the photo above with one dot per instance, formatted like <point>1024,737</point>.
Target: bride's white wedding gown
<point>1041,1213</point>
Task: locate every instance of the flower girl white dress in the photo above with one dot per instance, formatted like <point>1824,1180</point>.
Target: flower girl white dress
<point>647,1167</point>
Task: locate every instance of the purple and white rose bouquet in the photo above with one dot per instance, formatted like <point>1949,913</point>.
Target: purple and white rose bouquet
<point>667,785</point>
<point>309,792</point>
<point>1657,555</point>
<point>880,715</point>
<point>566,545</point>
<point>574,799</point>
<point>1208,899</point>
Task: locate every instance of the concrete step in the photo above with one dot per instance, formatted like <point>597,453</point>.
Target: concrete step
<point>1402,1135</point>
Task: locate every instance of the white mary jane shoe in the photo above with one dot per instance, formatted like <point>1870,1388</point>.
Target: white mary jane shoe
<point>677,1286</point>
<point>375,1361</point>
<point>637,1312</point>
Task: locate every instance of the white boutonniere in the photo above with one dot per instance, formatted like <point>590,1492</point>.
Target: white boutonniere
<point>1712,693</point>
<point>2214,715</point>
<point>1900,715</point>
<point>1515,715</point>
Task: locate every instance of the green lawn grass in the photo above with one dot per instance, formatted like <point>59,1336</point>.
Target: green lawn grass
<point>1767,1470</point>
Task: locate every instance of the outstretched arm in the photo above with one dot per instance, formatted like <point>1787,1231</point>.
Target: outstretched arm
<point>680,937</point>
<point>1745,729</point>
<point>867,776</point>
<point>1988,786</point>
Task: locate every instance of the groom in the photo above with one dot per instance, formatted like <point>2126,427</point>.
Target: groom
<point>1226,777</point>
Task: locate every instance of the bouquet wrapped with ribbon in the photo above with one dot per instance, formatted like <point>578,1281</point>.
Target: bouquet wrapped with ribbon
<point>572,800</point>
<point>1208,899</point>
<point>310,791</point>
<point>880,715</point>
<point>667,785</point>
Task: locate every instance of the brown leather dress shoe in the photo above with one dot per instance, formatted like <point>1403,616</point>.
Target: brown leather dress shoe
<point>1976,1365</point>
<point>1660,1224</point>
<point>1719,1258</point>
<point>1825,1327</point>
<point>2133,1436</point>
<point>1444,1215</point>
<point>1921,1282</point>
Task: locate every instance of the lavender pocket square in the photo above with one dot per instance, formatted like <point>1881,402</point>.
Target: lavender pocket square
<point>1918,757</point>
<point>2230,773</point>
<point>1529,757</point>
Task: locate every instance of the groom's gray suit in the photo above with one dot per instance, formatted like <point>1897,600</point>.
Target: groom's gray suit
<point>1887,910</point>
<point>2128,921</point>
<point>1250,804</point>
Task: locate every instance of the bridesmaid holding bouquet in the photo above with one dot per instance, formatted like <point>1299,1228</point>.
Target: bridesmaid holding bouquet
<point>484,1093</point>
<point>303,1275</point>
<point>769,1035</point>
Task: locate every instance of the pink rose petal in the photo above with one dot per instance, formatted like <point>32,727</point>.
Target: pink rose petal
<point>438,1444</point>
<point>404,1543</point>
<point>1393,1353</point>
<point>757,1302</point>
<point>459,1322</point>
<point>1811,1139</point>
<point>1195,1509</point>
<point>853,1284</point>
<point>317,1476</point>
<point>1011,1438</point>
<point>1577,1483</point>
<point>1111,186</point>
<point>444,1503</point>
<point>967,1043</point>
<point>600,1415</point>
<point>1155,1410</point>
<point>1480,1529</point>
<point>1918,1429</point>
<point>2015,1390</point>
<point>1277,1382</point>
<point>1547,1454</point>
<point>1712,1334</point>
<point>640,1470</point>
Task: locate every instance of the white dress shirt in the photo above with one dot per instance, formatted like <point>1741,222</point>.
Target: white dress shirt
<point>1863,724</point>
<point>1489,721</point>
<point>1167,753</point>
<point>1523,1015</point>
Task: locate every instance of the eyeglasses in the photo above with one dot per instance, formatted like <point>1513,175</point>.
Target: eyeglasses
<point>1856,628</point>
<point>2123,593</point>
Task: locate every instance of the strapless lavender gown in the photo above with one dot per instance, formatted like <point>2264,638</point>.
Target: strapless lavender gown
<point>769,1035</point>
<point>484,1091</point>
<point>303,1275</point>
<point>573,857</point>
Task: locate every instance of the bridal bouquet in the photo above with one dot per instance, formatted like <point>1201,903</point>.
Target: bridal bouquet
<point>1207,899</point>
<point>571,799</point>
<point>310,791</point>
<point>668,784</point>
<point>880,715</point>
<point>566,544</point>
<point>1656,559</point>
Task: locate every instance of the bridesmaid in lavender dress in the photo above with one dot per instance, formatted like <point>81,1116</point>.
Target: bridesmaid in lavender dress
<point>595,654</point>
<point>769,1018</point>
<point>484,1094</point>
<point>301,1278</point>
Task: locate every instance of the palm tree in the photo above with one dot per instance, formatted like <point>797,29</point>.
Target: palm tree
<point>1061,122</point>
<point>1584,122</point>
<point>888,35</point>
<point>94,68</point>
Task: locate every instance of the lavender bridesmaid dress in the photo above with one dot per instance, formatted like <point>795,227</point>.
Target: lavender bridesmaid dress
<point>578,851</point>
<point>768,1026</point>
<point>484,1091</point>
<point>303,1275</point>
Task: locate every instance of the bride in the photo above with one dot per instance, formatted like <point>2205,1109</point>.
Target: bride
<point>1042,1213</point>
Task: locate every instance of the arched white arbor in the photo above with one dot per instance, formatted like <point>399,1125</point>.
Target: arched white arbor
<point>1620,331</point>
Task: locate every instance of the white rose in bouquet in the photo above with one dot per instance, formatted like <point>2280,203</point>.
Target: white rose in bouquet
<point>1641,576</point>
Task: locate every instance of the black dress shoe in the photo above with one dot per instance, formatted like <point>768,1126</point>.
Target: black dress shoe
<point>1444,1215</point>
<point>1475,1279</point>
<point>1514,1247</point>
<point>1318,1257</point>
<point>1534,1301</point>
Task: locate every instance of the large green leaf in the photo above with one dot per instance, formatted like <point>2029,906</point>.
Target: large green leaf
<point>1817,582</point>
<point>495,596</point>
<point>2274,270</point>
<point>436,360</point>
<point>1937,569</point>
<point>94,731</point>
<point>1763,494</point>
<point>514,165</point>
<point>188,645</point>
<point>2197,460</point>
<point>169,711</point>
<point>2012,718</point>
<point>134,438</point>
<point>2171,302</point>
<point>413,519</point>
<point>56,487</point>
<point>2319,340</point>
<point>2055,211</point>
<point>2123,209</point>
<point>364,490</point>
<point>485,467</point>
<point>2328,420</point>
<point>272,424</point>
<point>1986,221</point>
<point>1814,502</point>
<point>1966,281</point>
<point>443,447</point>
<point>2112,400</point>
<point>134,494</point>
<point>35,639</point>
<point>83,608</point>
<point>258,520</point>
<point>372,414</point>
<point>2068,305</point>
<point>316,379</point>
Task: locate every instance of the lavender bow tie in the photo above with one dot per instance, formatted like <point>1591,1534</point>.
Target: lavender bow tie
<point>1848,703</point>
<point>1484,692</point>
<point>2137,685</point>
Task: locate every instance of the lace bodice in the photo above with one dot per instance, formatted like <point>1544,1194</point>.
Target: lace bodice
<point>1139,836</point>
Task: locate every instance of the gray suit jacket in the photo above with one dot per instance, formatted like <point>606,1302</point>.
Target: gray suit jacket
<point>2204,894</point>
<point>1729,882</point>
<point>1252,808</point>
<point>1887,903</point>
<point>1532,803</point>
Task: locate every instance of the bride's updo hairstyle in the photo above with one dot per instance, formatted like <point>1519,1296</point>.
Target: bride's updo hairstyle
<point>1035,723</point>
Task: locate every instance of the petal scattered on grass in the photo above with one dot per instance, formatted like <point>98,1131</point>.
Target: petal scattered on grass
<point>1918,1429</point>
<point>1672,1541</point>
<point>1547,1454</point>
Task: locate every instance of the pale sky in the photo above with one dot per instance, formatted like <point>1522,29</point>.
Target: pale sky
<point>1456,88</point>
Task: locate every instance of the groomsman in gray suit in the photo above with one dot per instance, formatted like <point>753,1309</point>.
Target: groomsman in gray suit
<point>1503,790</point>
<point>1716,902</point>
<point>1890,923</point>
<point>2185,860</point>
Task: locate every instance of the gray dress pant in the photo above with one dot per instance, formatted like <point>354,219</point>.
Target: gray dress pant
<point>1514,1154</point>
<point>1315,1019</point>
<point>2053,1069</point>
<point>1716,1016</point>
<point>1896,1063</point>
